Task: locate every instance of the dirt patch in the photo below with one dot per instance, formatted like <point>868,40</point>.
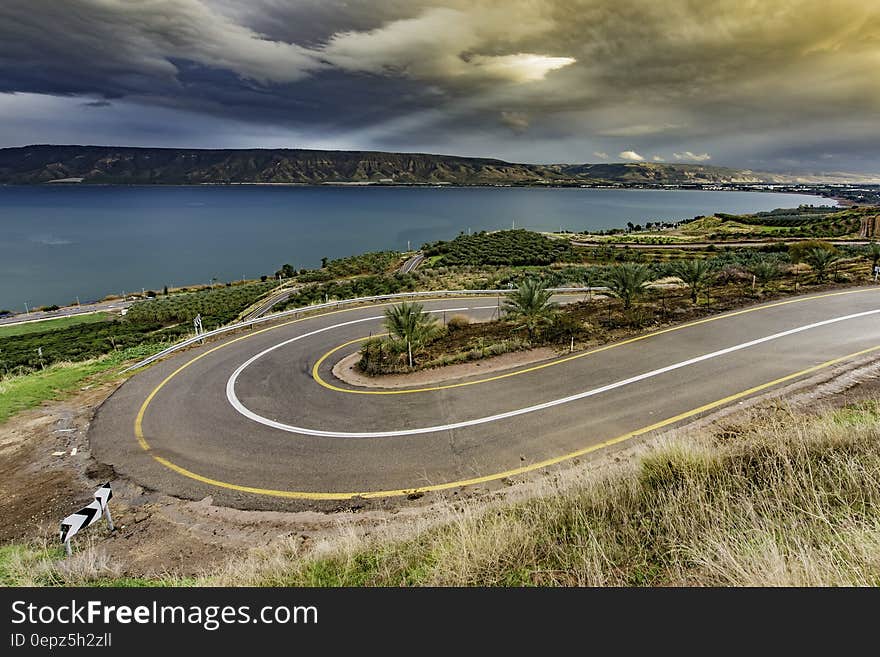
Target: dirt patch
<point>346,370</point>
<point>44,461</point>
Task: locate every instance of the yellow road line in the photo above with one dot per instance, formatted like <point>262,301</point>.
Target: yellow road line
<point>139,433</point>
<point>614,345</point>
<point>308,495</point>
<point>138,421</point>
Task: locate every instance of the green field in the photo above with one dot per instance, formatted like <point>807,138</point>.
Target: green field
<point>51,324</point>
<point>19,393</point>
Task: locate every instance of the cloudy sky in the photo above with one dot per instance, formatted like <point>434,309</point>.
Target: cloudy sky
<point>777,85</point>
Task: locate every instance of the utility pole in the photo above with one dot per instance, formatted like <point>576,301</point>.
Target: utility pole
<point>77,301</point>
<point>26,310</point>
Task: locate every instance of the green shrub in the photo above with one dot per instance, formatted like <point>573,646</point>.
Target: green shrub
<point>217,307</point>
<point>507,247</point>
<point>457,322</point>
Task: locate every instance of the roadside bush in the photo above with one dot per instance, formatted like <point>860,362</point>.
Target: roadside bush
<point>506,247</point>
<point>565,326</point>
<point>366,286</point>
<point>79,342</point>
<point>765,271</point>
<point>799,250</point>
<point>217,307</point>
<point>377,262</point>
<point>731,274</point>
<point>457,322</point>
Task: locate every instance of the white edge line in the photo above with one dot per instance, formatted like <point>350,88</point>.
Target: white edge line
<point>241,408</point>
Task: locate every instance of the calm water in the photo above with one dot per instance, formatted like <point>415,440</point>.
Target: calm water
<point>60,242</point>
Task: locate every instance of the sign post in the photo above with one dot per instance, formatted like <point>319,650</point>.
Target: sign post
<point>197,325</point>
<point>87,516</point>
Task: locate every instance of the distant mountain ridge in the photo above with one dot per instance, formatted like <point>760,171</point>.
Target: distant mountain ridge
<point>132,165</point>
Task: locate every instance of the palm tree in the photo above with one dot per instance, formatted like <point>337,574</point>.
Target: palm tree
<point>764,271</point>
<point>530,304</point>
<point>820,260</point>
<point>696,274</point>
<point>627,281</point>
<point>408,323</point>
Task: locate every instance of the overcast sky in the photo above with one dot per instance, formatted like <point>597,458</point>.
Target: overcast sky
<point>776,85</point>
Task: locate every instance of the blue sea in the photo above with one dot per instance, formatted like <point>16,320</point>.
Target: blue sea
<point>58,242</point>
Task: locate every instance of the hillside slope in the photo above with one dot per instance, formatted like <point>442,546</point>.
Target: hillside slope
<point>125,165</point>
<point>99,164</point>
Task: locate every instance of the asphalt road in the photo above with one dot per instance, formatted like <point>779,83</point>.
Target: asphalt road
<point>245,421</point>
<point>411,264</point>
<point>67,311</point>
<point>272,300</point>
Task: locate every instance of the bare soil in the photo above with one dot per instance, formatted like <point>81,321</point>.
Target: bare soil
<point>42,479</point>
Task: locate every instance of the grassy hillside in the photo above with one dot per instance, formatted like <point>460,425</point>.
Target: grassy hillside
<point>786,499</point>
<point>56,381</point>
<point>51,324</point>
<point>799,222</point>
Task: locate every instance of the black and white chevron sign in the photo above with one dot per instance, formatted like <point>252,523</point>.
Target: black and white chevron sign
<point>88,515</point>
<point>103,495</point>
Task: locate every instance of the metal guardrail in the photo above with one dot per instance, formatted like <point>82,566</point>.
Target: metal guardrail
<point>293,312</point>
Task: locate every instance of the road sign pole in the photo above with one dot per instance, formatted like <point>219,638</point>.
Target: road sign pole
<point>109,517</point>
<point>67,549</point>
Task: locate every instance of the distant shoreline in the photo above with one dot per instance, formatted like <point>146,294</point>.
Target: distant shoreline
<point>773,188</point>
<point>715,187</point>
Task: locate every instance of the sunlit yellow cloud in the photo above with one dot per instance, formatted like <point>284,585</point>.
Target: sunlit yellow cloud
<point>521,67</point>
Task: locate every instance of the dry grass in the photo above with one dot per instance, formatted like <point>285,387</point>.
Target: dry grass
<point>780,499</point>
<point>41,564</point>
<point>785,500</point>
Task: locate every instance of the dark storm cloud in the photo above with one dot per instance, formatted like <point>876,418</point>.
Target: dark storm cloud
<point>731,83</point>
